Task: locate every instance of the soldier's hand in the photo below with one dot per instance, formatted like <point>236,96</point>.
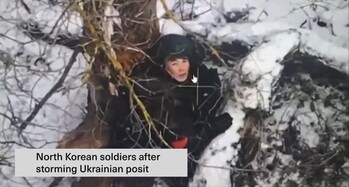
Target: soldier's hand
<point>222,122</point>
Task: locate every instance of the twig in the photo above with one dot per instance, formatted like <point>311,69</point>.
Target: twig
<point>50,93</point>
<point>25,6</point>
<point>225,167</point>
<point>27,182</point>
<point>323,162</point>
<point>14,142</point>
<point>70,42</point>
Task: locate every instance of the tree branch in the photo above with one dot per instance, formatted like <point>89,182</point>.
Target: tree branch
<point>25,6</point>
<point>50,93</point>
<point>35,33</point>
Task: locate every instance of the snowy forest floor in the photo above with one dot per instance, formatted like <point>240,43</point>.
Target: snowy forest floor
<point>287,69</point>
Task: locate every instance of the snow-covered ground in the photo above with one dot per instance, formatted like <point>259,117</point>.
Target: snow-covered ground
<point>276,29</point>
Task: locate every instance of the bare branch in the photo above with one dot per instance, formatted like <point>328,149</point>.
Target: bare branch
<point>50,93</point>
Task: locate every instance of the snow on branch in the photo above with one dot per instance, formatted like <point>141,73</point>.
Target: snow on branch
<point>214,165</point>
<point>252,85</point>
<point>309,42</point>
<point>254,80</point>
<point>331,55</point>
<point>260,70</point>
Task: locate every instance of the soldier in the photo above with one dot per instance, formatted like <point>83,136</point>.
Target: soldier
<point>182,95</point>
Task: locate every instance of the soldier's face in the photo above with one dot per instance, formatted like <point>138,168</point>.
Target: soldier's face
<point>178,68</point>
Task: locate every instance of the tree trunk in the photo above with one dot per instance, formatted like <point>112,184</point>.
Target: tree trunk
<point>127,26</point>
<point>119,31</point>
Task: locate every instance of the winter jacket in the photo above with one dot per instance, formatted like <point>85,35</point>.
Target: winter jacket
<point>184,114</point>
<point>188,110</point>
<point>180,109</point>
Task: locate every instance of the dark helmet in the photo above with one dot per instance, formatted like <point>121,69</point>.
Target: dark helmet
<point>174,45</point>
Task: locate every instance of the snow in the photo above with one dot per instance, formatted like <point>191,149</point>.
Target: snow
<point>295,12</point>
<point>62,22</point>
<point>276,29</point>
<point>217,168</point>
<point>275,34</point>
<point>62,112</point>
<point>337,57</point>
<point>24,83</point>
<point>262,66</point>
<point>170,27</point>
